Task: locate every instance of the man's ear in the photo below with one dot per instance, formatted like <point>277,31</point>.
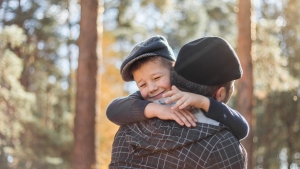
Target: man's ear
<point>221,94</point>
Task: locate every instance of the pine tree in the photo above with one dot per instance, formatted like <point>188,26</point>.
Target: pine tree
<point>51,127</point>
<point>245,84</point>
<point>84,155</point>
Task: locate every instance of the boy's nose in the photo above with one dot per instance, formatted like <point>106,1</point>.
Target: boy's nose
<point>152,87</point>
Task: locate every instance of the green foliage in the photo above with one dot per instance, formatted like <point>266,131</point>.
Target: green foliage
<point>47,140</point>
<point>179,21</point>
<point>276,85</point>
<point>15,103</point>
<point>278,128</point>
<point>29,137</point>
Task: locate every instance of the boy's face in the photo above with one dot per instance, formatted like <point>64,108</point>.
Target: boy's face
<point>152,79</point>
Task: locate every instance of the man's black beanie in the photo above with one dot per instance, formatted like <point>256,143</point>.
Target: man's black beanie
<point>208,61</point>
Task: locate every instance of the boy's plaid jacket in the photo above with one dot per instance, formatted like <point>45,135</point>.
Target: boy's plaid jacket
<point>164,144</point>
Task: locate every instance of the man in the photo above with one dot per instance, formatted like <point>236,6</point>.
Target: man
<point>206,66</point>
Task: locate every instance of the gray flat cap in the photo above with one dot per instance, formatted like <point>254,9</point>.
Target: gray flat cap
<point>154,46</point>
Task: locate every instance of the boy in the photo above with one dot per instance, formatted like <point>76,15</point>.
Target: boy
<point>150,64</point>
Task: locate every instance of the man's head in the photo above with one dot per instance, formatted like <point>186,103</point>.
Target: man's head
<point>149,65</point>
<point>207,66</point>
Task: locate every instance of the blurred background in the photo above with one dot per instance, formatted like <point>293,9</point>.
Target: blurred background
<point>59,70</point>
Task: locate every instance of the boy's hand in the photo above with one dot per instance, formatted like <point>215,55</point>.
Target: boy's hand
<point>186,99</point>
<point>182,117</point>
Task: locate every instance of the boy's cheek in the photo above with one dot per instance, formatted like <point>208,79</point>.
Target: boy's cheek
<point>144,94</point>
<point>168,85</point>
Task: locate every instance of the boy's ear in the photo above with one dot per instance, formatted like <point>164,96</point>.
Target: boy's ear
<point>221,94</point>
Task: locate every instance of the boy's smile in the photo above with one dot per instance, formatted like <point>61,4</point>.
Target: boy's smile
<point>157,96</point>
<point>152,79</point>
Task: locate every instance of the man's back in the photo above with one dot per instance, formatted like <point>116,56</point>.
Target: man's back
<point>165,144</point>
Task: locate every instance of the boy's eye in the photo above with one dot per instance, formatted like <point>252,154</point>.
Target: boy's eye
<point>142,85</point>
<point>156,78</point>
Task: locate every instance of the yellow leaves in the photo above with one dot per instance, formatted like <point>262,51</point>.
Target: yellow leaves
<point>108,41</point>
<point>106,131</point>
<point>111,87</point>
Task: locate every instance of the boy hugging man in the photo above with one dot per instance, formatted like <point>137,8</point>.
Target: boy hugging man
<point>204,67</point>
<point>150,64</point>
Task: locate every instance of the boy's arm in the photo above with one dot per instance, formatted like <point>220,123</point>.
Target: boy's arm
<point>128,109</point>
<point>134,108</point>
<point>229,117</point>
<point>212,109</point>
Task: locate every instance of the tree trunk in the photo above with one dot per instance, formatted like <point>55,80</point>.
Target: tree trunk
<point>84,124</point>
<point>245,84</point>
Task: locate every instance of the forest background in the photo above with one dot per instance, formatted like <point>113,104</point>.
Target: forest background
<point>54,90</point>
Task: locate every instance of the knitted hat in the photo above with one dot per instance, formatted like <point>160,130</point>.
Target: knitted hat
<point>208,61</point>
<point>154,46</point>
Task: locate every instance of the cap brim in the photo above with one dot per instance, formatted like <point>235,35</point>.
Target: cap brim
<point>126,76</point>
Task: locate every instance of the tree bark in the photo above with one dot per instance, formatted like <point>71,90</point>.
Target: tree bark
<point>245,84</point>
<point>84,123</point>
